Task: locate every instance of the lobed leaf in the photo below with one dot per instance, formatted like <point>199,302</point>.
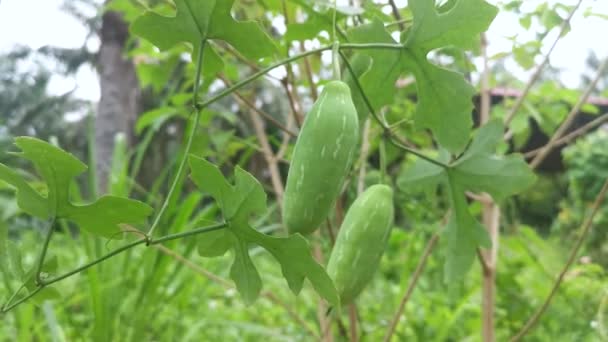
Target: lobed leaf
<point>479,169</point>
<point>444,96</point>
<point>196,21</point>
<point>59,168</point>
<point>238,202</point>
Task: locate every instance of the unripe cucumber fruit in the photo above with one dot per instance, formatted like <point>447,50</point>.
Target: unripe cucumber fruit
<point>361,241</point>
<point>321,160</point>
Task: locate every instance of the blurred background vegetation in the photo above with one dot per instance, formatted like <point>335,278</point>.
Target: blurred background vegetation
<point>167,294</point>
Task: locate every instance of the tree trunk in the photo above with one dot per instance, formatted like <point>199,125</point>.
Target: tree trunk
<point>120,94</point>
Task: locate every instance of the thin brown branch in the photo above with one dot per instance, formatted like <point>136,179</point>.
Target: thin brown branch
<point>482,198</point>
<point>363,156</point>
<point>536,74</point>
<point>572,135</point>
<point>542,154</point>
<point>292,97</point>
<point>273,168</point>
<point>286,137</point>
<point>412,285</point>
<point>228,48</point>
<point>308,72</point>
<point>491,217</point>
<point>352,318</point>
<point>241,99</point>
<point>491,220</point>
<point>330,232</point>
<point>585,229</point>
<point>288,82</point>
<point>485,266</point>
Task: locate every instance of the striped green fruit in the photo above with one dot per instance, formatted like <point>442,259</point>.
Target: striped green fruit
<point>361,241</point>
<point>321,159</point>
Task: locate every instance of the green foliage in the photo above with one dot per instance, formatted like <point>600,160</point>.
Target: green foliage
<point>440,91</point>
<point>437,165</point>
<point>587,162</point>
<point>58,168</point>
<point>198,21</point>
<point>238,202</point>
<point>480,170</point>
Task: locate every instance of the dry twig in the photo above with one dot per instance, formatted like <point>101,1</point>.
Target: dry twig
<point>585,229</point>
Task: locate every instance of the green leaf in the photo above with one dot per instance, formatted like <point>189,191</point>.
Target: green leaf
<point>444,96</point>
<point>196,21</point>
<point>379,81</point>
<point>463,234</point>
<point>445,103</point>
<point>480,170</point>
<point>214,244</point>
<point>423,174</point>
<point>28,199</point>
<point>238,202</point>
<point>485,141</point>
<point>465,20</point>
<point>499,176</point>
<point>297,263</point>
<point>244,273</point>
<point>59,168</point>
<point>155,118</point>
<point>307,30</point>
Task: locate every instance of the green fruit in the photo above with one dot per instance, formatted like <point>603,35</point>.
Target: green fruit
<point>361,241</point>
<point>321,159</point>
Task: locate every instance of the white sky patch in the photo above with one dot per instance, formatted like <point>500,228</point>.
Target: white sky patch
<point>36,23</point>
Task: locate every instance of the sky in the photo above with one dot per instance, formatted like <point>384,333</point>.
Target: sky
<point>36,23</point>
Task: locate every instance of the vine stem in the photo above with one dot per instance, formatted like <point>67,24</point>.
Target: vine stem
<point>197,116</point>
<point>383,175</point>
<point>12,297</point>
<point>336,46</point>
<point>6,309</point>
<point>585,229</point>
<point>264,71</point>
<point>45,248</point>
<point>207,229</point>
<point>336,60</point>
<point>387,130</point>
